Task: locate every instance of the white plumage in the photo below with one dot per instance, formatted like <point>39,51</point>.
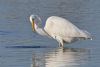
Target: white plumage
<point>60,29</point>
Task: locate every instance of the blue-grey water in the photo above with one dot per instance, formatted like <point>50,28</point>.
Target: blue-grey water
<point>20,47</point>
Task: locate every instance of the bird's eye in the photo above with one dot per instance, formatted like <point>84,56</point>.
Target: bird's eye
<point>32,19</point>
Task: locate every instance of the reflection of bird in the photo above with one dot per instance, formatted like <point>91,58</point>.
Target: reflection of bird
<point>61,57</point>
<point>67,57</point>
<point>59,29</point>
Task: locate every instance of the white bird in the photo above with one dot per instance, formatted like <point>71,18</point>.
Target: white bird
<point>59,29</point>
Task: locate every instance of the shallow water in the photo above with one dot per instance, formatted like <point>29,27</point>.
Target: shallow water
<point>20,47</point>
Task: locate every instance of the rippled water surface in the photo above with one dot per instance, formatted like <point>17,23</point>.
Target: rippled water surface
<point>20,47</point>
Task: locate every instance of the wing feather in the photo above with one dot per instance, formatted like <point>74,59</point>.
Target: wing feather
<point>58,26</point>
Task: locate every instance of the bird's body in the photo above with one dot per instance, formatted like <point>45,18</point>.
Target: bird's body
<point>61,30</point>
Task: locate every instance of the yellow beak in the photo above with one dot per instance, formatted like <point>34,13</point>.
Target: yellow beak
<point>33,25</point>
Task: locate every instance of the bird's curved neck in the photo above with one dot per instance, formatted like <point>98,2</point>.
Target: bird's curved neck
<point>40,30</point>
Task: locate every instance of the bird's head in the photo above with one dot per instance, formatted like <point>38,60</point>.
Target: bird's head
<point>35,21</point>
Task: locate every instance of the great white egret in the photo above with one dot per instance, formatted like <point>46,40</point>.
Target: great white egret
<point>59,29</point>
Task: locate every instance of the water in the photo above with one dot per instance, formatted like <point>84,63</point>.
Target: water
<point>20,47</point>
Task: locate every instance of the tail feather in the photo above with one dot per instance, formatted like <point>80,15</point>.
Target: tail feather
<point>86,35</point>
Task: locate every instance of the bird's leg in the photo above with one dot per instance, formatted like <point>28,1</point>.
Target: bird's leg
<point>60,41</point>
<point>61,44</point>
